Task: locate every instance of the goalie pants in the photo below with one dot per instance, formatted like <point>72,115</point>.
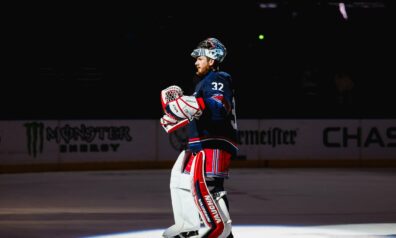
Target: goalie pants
<point>217,163</point>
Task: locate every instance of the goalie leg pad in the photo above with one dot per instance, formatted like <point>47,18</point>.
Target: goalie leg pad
<point>222,203</point>
<point>185,213</point>
<point>178,178</point>
<point>207,205</point>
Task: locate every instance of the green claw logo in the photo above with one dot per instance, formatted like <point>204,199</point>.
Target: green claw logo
<point>35,138</point>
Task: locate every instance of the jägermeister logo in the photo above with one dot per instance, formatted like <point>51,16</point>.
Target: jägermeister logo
<point>35,137</point>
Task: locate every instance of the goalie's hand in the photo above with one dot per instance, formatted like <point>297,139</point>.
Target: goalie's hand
<point>171,124</point>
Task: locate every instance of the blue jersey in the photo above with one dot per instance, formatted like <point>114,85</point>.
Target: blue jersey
<point>217,127</point>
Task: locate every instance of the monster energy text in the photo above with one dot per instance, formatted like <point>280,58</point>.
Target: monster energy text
<point>83,137</point>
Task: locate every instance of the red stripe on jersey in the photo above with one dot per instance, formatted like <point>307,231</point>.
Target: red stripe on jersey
<point>220,99</point>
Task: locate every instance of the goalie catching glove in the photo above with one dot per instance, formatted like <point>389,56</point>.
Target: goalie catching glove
<point>169,94</point>
<point>179,110</point>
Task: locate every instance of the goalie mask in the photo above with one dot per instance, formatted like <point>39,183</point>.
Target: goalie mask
<point>211,48</point>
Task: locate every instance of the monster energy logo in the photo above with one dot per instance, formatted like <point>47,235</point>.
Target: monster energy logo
<point>35,137</point>
<point>76,139</point>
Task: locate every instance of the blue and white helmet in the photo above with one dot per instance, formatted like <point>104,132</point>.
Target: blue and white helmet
<point>212,48</point>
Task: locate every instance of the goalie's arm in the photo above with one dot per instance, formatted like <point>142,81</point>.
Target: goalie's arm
<point>185,107</point>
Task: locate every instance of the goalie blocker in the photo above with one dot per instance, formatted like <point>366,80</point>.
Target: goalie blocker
<point>170,124</point>
<point>185,107</point>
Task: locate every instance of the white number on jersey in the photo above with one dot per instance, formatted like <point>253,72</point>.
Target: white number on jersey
<point>218,86</point>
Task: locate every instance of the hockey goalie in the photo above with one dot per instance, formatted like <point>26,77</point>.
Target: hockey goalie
<point>199,200</point>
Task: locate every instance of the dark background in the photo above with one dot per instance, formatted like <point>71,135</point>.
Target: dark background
<point>110,61</point>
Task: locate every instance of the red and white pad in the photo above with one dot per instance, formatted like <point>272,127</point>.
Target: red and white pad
<point>185,213</point>
<point>207,206</point>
